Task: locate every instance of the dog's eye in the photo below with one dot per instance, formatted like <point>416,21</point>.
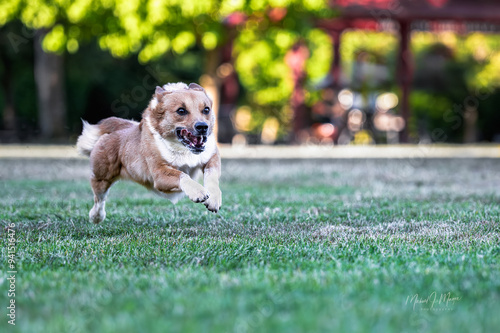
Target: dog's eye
<point>182,111</point>
<point>206,110</point>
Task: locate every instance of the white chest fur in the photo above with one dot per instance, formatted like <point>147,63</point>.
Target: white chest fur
<point>175,154</point>
<point>181,158</point>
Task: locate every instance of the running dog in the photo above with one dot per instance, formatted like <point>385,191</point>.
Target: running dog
<point>165,152</point>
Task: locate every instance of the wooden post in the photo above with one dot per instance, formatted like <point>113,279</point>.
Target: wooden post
<point>229,92</point>
<point>335,71</point>
<point>405,74</point>
<point>211,82</point>
<point>296,61</point>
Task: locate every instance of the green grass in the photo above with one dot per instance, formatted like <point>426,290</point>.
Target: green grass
<point>299,246</point>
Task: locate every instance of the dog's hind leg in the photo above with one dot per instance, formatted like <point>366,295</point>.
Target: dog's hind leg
<point>100,187</point>
<point>105,166</point>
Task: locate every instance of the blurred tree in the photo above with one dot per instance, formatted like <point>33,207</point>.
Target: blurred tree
<point>17,83</point>
<point>260,50</point>
<point>182,33</point>
<point>152,28</point>
<point>457,78</point>
<point>8,115</point>
<point>49,78</point>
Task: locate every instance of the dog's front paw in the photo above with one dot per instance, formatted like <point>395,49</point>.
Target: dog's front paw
<point>195,191</point>
<point>214,202</point>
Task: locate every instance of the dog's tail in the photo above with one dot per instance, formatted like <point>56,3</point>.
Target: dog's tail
<point>91,133</point>
<point>88,139</point>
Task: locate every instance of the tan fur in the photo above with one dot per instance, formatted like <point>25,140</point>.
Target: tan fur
<point>150,152</point>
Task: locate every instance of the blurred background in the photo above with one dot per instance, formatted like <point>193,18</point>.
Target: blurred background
<point>283,71</point>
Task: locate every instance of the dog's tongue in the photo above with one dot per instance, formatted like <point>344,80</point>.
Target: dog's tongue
<point>195,140</point>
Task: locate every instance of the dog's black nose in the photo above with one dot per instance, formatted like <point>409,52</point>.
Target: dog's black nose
<point>201,127</point>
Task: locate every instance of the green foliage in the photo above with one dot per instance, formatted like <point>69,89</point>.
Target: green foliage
<point>159,31</point>
<point>154,28</point>
<point>149,28</point>
<point>377,44</point>
<point>97,84</point>
<point>449,71</point>
<point>260,49</point>
<point>428,110</point>
<point>478,53</point>
<point>456,71</point>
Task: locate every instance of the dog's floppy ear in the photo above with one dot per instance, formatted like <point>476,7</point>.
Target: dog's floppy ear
<point>195,86</point>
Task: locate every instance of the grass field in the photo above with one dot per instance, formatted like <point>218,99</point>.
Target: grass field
<point>299,246</point>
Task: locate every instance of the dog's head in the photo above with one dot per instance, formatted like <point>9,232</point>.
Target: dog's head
<point>182,114</point>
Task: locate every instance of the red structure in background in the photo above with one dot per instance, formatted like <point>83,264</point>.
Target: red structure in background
<point>462,16</point>
<point>373,14</point>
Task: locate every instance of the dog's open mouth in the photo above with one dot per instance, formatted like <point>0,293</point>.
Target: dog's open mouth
<point>195,143</point>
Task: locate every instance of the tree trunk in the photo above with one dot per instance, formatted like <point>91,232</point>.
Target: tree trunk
<point>49,79</point>
<point>470,119</point>
<point>9,111</point>
<point>405,76</point>
<point>211,82</point>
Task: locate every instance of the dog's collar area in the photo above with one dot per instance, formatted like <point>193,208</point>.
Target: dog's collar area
<point>195,143</point>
